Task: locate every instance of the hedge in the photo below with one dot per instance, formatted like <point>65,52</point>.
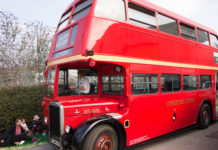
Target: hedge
<point>20,102</point>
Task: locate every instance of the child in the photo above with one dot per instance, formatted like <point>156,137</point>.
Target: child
<point>36,125</point>
<point>24,125</point>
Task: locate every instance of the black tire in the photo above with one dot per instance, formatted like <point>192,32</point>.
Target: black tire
<point>102,137</point>
<point>205,116</point>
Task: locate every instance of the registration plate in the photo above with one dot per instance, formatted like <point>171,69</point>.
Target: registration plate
<point>55,142</point>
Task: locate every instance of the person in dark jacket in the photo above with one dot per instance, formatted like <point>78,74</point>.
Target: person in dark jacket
<point>14,134</point>
<point>37,126</point>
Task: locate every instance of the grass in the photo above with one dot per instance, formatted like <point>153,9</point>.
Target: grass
<point>27,144</point>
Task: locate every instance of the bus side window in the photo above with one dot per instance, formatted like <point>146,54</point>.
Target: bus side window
<point>214,41</point>
<point>203,37</point>
<point>113,84</point>
<point>190,82</point>
<point>168,25</point>
<point>113,9</point>
<point>170,83</point>
<point>187,31</point>
<point>141,16</point>
<point>143,84</point>
<point>205,82</point>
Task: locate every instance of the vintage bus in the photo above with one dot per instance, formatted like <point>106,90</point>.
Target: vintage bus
<point>123,72</point>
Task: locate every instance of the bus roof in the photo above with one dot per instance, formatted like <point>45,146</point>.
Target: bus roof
<point>164,11</point>
<point>161,10</point>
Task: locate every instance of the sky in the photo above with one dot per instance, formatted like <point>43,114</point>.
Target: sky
<point>49,11</point>
<point>46,11</point>
<point>204,12</point>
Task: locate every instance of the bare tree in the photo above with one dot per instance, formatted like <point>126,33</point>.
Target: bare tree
<point>35,43</point>
<point>9,32</point>
<point>23,50</point>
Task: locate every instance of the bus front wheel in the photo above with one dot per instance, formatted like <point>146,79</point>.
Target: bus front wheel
<point>205,116</point>
<point>102,137</point>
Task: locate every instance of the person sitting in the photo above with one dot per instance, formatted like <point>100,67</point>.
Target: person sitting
<point>84,85</point>
<point>4,141</point>
<point>24,125</point>
<point>36,125</point>
<point>14,135</point>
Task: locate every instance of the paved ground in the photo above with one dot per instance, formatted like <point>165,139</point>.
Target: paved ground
<point>193,139</point>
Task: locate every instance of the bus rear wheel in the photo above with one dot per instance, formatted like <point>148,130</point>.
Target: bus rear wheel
<point>205,116</point>
<point>101,138</point>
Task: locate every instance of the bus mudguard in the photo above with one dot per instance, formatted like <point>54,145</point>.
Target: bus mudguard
<point>85,127</point>
<point>207,101</point>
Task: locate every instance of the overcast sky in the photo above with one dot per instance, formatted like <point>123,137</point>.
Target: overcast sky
<point>204,12</point>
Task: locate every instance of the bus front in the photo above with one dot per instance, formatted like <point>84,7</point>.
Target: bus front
<point>83,91</point>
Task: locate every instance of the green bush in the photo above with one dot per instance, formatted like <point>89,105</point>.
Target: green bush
<point>20,102</point>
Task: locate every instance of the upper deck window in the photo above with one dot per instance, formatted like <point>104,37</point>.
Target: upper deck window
<point>113,9</point>
<point>168,25</point>
<point>62,40</point>
<point>187,31</point>
<point>64,20</point>
<point>73,35</point>
<point>203,37</point>
<point>141,16</point>
<point>63,45</point>
<point>214,41</point>
<point>81,10</point>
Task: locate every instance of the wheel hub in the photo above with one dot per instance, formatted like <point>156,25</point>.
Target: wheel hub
<point>104,143</point>
<point>206,117</point>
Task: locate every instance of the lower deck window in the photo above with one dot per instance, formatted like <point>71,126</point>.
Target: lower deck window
<point>190,83</point>
<point>145,84</point>
<point>170,83</point>
<point>113,84</point>
<point>205,81</point>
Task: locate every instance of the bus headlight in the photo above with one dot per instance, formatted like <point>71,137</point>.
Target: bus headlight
<point>67,129</point>
<point>46,120</point>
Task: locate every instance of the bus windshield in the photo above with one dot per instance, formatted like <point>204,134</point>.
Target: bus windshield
<point>73,82</point>
<point>81,10</point>
<point>50,83</point>
<point>64,20</point>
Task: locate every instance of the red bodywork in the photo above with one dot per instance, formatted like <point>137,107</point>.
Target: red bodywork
<point>137,50</point>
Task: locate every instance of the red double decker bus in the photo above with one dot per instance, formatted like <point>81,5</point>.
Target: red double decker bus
<point>123,72</point>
